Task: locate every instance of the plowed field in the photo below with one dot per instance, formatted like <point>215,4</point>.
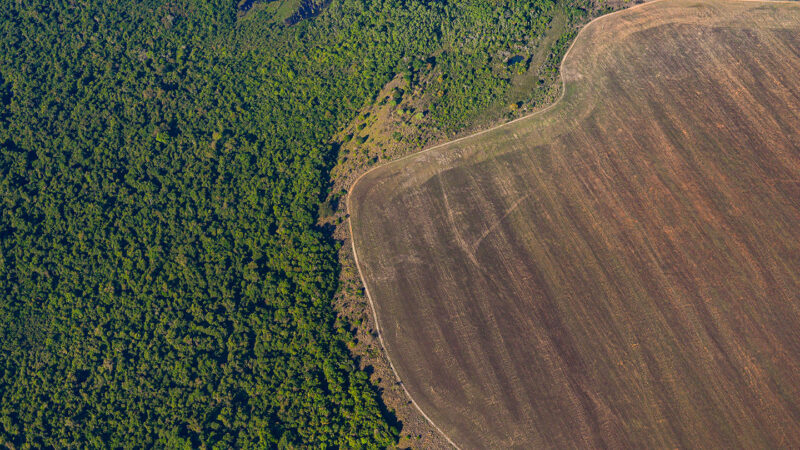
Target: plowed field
<point>620,270</point>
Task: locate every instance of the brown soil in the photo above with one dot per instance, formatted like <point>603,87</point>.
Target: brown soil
<point>622,270</point>
<point>394,131</point>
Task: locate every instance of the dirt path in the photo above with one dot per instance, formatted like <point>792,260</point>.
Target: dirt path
<point>592,425</point>
<point>434,147</point>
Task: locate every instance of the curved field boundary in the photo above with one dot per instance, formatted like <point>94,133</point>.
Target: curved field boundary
<point>444,144</point>
<point>469,137</point>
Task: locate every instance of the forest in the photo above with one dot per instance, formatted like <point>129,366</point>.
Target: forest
<point>164,279</point>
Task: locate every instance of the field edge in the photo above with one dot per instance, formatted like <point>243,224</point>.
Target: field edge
<point>542,111</point>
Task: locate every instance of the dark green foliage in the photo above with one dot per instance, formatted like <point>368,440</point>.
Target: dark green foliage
<point>550,68</point>
<point>468,81</point>
<point>163,282</point>
<point>469,84</point>
<point>161,171</point>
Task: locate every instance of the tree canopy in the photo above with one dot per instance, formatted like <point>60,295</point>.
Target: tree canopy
<point>162,163</point>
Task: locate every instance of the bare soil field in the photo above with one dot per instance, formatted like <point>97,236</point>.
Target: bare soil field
<point>620,270</point>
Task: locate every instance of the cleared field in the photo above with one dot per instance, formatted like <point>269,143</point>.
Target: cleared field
<point>621,270</point>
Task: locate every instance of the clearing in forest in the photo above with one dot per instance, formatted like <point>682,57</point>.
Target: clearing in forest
<point>621,270</point>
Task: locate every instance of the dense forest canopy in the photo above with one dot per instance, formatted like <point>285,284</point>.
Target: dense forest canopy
<point>161,167</point>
